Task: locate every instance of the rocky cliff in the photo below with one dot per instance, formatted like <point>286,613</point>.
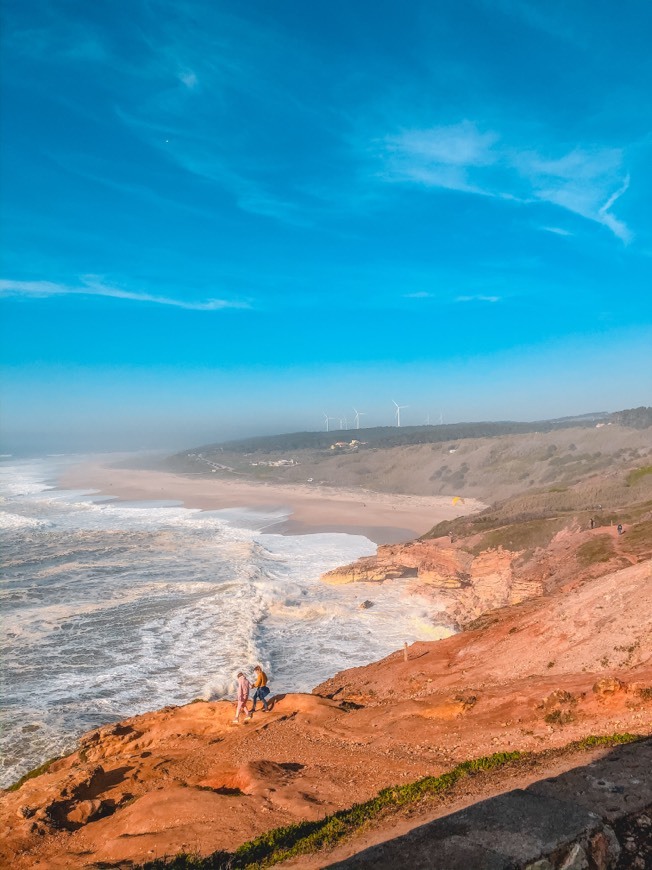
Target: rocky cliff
<point>464,585</point>
<point>467,576</point>
<point>574,661</point>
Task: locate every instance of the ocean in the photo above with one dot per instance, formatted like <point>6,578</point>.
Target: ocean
<point>113,608</point>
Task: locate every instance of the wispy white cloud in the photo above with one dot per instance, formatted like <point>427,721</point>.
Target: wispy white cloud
<point>477,298</point>
<point>188,78</point>
<point>440,156</point>
<point>421,294</point>
<point>92,286</point>
<point>616,226</point>
<point>581,181</point>
<point>461,157</point>
<point>558,231</point>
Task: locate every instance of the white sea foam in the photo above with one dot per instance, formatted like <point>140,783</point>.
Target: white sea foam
<point>15,521</point>
<point>116,608</point>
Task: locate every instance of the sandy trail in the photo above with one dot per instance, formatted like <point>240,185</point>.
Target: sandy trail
<point>383,518</point>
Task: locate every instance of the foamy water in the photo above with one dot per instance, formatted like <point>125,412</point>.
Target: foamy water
<point>112,609</point>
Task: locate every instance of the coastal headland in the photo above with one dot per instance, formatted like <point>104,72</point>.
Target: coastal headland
<point>537,678</point>
<point>550,668</point>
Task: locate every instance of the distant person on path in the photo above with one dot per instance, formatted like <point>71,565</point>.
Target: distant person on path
<point>620,528</point>
<point>243,696</point>
<point>260,685</point>
<point>592,523</point>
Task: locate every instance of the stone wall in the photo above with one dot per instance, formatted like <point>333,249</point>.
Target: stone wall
<point>596,817</point>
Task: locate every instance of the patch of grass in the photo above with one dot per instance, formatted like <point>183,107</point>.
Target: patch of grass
<point>280,844</point>
<point>526,535</point>
<point>638,539</point>
<point>599,549</point>
<point>606,740</point>
<point>190,861</point>
<point>32,773</point>
<point>638,474</point>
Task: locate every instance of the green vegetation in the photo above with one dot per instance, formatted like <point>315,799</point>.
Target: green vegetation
<point>599,549</point>
<point>527,535</point>
<point>606,740</point>
<point>280,844</point>
<point>635,418</point>
<point>638,474</point>
<point>632,513</point>
<point>392,436</point>
<point>32,773</point>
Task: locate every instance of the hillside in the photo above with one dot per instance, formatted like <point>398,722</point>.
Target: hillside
<point>535,677</point>
<point>554,604</point>
<point>488,467</point>
<point>392,436</point>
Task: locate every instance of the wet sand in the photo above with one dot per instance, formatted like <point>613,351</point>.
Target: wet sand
<point>383,518</point>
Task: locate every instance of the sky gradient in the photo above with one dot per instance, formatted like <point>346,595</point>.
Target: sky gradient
<point>223,218</point>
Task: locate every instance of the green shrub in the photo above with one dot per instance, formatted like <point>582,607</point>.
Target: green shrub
<point>599,549</point>
<point>32,773</point>
<point>638,474</point>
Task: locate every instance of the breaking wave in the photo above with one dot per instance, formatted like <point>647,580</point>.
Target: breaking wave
<point>112,609</point>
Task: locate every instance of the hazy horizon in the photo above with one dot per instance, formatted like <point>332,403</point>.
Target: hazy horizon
<point>25,447</point>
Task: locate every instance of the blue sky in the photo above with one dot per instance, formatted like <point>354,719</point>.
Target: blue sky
<point>223,218</point>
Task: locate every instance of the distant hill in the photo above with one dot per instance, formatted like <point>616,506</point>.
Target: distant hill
<point>486,460</point>
<point>393,436</point>
<point>635,418</point>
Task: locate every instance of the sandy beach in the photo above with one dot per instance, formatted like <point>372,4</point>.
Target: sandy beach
<point>383,518</point>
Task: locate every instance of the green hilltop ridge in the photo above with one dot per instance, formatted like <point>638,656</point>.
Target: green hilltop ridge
<point>394,436</point>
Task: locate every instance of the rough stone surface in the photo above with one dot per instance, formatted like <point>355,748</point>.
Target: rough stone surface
<point>604,849</point>
<point>612,786</point>
<point>576,859</point>
<point>514,829</point>
<point>564,823</point>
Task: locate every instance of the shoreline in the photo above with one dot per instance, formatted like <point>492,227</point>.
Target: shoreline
<point>383,518</point>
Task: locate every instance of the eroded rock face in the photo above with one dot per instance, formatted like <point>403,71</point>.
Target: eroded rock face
<point>465,585</point>
<point>187,779</point>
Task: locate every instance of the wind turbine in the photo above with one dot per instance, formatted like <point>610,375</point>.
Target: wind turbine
<point>327,419</point>
<point>358,414</point>
<point>399,408</point>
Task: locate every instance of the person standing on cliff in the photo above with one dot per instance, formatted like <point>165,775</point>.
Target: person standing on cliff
<point>261,691</point>
<point>243,696</point>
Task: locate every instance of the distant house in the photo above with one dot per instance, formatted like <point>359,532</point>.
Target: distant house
<point>276,463</point>
<point>347,445</point>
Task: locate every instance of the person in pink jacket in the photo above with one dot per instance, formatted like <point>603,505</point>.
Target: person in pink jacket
<point>243,696</point>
